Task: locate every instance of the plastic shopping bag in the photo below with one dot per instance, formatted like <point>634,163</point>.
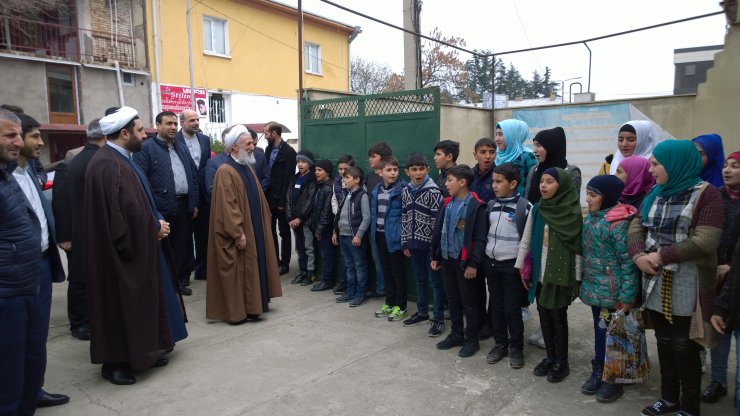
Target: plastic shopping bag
<point>626,360</point>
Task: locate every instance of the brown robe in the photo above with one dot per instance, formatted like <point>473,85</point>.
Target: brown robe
<point>128,321</point>
<point>233,285</point>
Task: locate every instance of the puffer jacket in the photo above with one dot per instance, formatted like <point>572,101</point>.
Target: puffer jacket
<point>392,216</point>
<point>609,275</point>
<point>302,207</point>
<point>322,217</point>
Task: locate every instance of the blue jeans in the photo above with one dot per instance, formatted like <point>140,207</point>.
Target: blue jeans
<point>379,278</point>
<point>720,354</point>
<point>326,251</point>
<point>599,335</point>
<point>355,264</point>
<point>426,277</point>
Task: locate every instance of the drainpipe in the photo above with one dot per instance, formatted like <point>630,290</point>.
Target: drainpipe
<point>119,82</point>
<point>155,30</point>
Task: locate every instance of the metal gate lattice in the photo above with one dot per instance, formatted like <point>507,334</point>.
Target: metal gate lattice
<point>339,109</point>
<point>411,103</point>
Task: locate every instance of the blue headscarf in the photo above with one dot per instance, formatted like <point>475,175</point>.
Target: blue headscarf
<point>712,146</point>
<point>515,133</point>
<point>682,163</point>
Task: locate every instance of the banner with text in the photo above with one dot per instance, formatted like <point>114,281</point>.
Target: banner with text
<point>177,99</point>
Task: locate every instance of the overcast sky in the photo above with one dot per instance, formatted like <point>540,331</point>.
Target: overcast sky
<point>639,64</point>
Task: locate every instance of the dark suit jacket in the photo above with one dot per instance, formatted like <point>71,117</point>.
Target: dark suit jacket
<point>57,271</point>
<point>205,154</point>
<point>260,168</point>
<point>281,174</point>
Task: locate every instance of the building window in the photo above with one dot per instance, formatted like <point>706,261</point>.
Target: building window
<point>61,90</point>
<point>217,108</point>
<point>128,79</point>
<point>690,70</point>
<point>312,58</point>
<point>215,36</point>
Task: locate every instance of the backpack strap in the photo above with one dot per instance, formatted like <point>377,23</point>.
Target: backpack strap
<point>520,215</point>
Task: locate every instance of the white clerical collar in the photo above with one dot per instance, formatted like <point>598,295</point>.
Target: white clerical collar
<point>241,162</point>
<point>125,152</point>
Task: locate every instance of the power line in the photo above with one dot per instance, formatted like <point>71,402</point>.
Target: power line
<point>524,29</point>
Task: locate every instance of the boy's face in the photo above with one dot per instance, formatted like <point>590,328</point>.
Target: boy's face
<point>373,160</point>
<point>302,167</point>
<point>341,168</point>
<point>455,185</point>
<point>502,187</point>
<point>321,174</point>
<point>548,186</point>
<point>441,160</point>
<point>417,174</point>
<point>351,182</point>
<point>593,200</point>
<point>389,173</point>
<point>484,156</point>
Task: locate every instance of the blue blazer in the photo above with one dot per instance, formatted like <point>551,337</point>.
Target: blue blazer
<point>205,154</point>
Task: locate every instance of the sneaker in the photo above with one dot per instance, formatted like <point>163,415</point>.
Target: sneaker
<point>609,392</point>
<point>497,353</point>
<point>344,298</point>
<point>437,328</point>
<point>592,384</point>
<point>396,314</point>
<point>451,341</point>
<point>357,301</point>
<point>713,392</point>
<point>516,358</point>
<point>308,279</point>
<point>526,315</point>
<point>321,286</point>
<point>339,288</point>
<point>469,349</point>
<point>544,367</point>
<point>415,319</point>
<point>537,339</point>
<point>298,278</point>
<point>658,408</point>
<point>375,295</point>
<point>383,312</point>
<point>558,373</point>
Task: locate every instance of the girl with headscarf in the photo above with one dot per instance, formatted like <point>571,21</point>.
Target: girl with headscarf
<point>728,300</point>
<point>610,280</point>
<point>509,139</point>
<point>550,150</point>
<point>712,158</point>
<point>673,241</point>
<point>552,237</point>
<point>635,138</point>
<point>634,172</point>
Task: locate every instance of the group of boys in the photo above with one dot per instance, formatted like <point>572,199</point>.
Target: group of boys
<point>458,232</point>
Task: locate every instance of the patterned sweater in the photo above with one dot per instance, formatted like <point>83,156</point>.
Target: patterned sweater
<point>420,206</point>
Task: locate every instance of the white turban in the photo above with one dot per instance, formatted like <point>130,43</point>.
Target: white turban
<point>233,135</point>
<point>118,120</point>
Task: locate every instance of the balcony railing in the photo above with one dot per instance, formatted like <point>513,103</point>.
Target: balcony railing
<point>54,40</point>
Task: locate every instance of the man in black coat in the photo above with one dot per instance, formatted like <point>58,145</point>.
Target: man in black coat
<point>69,188</point>
<point>199,148</point>
<point>281,162</point>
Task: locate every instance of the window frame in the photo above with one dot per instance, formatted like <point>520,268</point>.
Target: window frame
<point>210,20</point>
<point>307,55</point>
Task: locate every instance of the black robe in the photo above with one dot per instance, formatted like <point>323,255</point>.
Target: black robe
<point>128,318</point>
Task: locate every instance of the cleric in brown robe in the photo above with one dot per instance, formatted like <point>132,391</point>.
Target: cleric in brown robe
<point>128,314</point>
<point>242,266</point>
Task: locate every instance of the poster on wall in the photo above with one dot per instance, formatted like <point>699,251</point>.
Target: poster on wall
<point>177,99</point>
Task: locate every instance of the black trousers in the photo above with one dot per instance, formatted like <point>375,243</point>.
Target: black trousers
<point>181,240</point>
<point>680,365</point>
<point>200,235</point>
<point>394,275</point>
<point>76,298</point>
<point>280,223</point>
<point>462,300</point>
<point>505,287</point>
<point>554,325</point>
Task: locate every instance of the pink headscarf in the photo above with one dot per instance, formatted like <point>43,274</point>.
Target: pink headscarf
<point>639,180</point>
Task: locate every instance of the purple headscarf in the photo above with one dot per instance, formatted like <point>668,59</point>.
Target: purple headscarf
<point>639,180</point>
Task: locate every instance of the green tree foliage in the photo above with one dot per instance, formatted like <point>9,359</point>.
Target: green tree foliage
<point>508,80</point>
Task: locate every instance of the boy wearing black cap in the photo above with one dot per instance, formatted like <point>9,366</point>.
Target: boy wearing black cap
<point>299,202</point>
<point>322,223</point>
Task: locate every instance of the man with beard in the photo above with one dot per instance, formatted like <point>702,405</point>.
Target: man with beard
<point>257,162</point>
<point>281,161</point>
<point>242,267</point>
<point>135,315</point>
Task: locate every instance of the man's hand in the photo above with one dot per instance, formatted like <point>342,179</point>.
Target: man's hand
<point>164,229</point>
<point>470,272</point>
<point>241,242</point>
<point>356,241</point>
<point>334,239</point>
<point>718,323</point>
<point>435,265</point>
<point>407,252</point>
<point>66,245</point>
<point>318,236</point>
<point>722,271</point>
<point>195,212</point>
<point>294,223</point>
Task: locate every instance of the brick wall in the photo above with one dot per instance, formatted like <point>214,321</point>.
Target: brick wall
<point>111,40</point>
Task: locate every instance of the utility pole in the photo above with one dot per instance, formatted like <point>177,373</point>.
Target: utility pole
<point>411,45</point>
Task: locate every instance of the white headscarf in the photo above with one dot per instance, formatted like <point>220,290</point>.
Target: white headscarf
<point>647,139</point>
<point>233,135</point>
<point>118,120</point>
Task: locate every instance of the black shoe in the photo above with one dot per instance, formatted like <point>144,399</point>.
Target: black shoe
<point>450,342</point>
<point>339,288</point>
<point>185,291</point>
<point>485,332</point>
<point>591,386</point>
<point>375,295</point>
<point>713,392</point>
<point>321,286</point>
<point>344,298</point>
<point>516,358</point>
<point>118,376</point>
<point>50,399</point>
<point>436,329</point>
<point>659,408</point>
<point>469,349</point>
<point>609,392</point>
<point>283,270</point>
<point>558,373</point>
<point>416,319</point>
<point>357,301</point>
<point>82,332</point>
<point>298,278</point>
<point>161,362</point>
<point>308,279</point>
<point>544,367</point>
<point>497,353</point>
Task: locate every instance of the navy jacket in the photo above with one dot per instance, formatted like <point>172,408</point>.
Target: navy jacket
<point>260,169</point>
<point>392,216</point>
<point>205,155</point>
<point>482,184</point>
<point>154,160</point>
<point>281,174</point>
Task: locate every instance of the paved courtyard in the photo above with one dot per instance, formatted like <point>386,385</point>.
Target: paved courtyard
<point>312,356</point>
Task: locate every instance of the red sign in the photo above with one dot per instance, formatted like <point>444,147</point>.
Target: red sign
<point>177,99</point>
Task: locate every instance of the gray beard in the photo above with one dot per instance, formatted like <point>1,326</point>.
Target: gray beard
<point>247,158</point>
